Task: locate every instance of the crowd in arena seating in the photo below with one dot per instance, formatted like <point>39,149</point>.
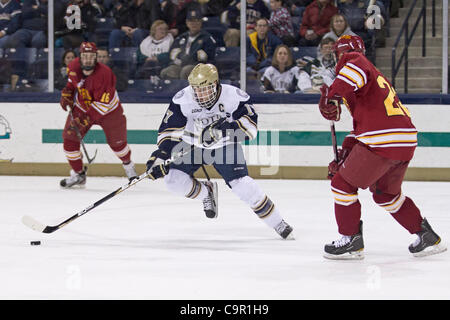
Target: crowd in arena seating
<point>152,45</point>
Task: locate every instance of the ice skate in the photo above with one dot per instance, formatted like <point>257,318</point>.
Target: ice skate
<point>285,230</point>
<point>130,170</point>
<point>210,203</point>
<point>75,179</point>
<point>427,242</point>
<point>346,248</point>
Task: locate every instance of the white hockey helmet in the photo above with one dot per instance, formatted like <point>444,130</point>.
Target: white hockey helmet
<point>204,80</point>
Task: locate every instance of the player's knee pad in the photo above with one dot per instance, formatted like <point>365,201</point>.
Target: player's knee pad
<point>344,193</point>
<point>389,202</point>
<point>248,191</point>
<point>181,183</point>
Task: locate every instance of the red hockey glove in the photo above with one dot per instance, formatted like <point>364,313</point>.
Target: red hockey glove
<point>330,108</point>
<point>66,99</point>
<point>333,166</point>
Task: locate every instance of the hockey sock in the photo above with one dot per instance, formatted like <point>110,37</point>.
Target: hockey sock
<point>409,216</point>
<point>182,184</point>
<point>123,152</point>
<point>73,155</point>
<point>402,209</point>
<point>347,208</point>
<point>248,191</point>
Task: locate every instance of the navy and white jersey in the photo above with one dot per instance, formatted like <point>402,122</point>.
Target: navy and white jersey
<point>185,119</point>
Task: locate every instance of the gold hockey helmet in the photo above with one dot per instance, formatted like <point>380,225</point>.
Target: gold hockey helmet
<point>204,80</point>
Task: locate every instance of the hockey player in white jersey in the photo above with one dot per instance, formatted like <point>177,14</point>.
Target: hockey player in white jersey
<point>205,123</point>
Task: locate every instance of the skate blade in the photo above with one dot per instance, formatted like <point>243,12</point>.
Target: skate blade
<point>290,236</point>
<point>214,215</point>
<point>355,255</point>
<point>437,248</point>
<point>76,186</point>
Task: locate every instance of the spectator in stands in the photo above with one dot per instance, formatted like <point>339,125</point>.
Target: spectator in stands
<point>255,9</point>
<point>169,13</point>
<point>281,76</point>
<point>296,7</point>
<point>313,73</point>
<point>61,73</point>
<point>10,21</point>
<point>153,52</point>
<point>189,49</point>
<point>71,38</point>
<point>338,27</point>
<point>316,22</point>
<point>133,21</point>
<point>356,12</point>
<point>261,46</point>
<point>208,8</point>
<point>7,77</point>
<point>121,75</point>
<point>280,23</point>
<point>33,32</point>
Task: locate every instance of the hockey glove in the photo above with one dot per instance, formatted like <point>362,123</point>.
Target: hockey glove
<point>66,99</point>
<point>347,146</point>
<point>156,165</point>
<point>213,133</point>
<point>333,166</point>
<point>330,108</point>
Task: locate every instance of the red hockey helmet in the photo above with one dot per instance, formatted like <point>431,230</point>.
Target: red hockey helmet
<point>88,56</point>
<point>88,47</point>
<point>348,43</point>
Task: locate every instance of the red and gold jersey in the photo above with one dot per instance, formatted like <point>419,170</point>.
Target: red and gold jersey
<point>96,94</point>
<point>380,120</point>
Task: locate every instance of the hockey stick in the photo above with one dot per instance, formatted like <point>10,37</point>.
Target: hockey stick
<point>39,227</point>
<point>90,160</point>
<point>334,141</point>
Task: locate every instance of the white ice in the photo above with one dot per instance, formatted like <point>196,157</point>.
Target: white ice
<point>148,244</point>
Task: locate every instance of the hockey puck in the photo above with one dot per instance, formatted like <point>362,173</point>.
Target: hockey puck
<point>35,243</point>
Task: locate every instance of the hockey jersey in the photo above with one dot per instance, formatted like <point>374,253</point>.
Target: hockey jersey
<point>380,120</point>
<point>185,119</point>
<point>96,94</point>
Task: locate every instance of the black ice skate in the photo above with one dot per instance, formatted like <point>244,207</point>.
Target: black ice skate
<point>210,203</point>
<point>75,179</point>
<point>427,242</point>
<point>347,248</point>
<point>284,230</point>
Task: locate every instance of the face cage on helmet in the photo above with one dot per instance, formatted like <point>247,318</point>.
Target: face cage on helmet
<point>88,68</point>
<point>205,95</point>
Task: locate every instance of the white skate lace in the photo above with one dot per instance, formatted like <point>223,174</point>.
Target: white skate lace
<point>342,242</point>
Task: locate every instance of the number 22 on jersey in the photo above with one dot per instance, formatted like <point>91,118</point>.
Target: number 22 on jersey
<point>393,108</point>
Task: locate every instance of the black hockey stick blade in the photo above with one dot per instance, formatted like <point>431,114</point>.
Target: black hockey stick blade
<point>35,225</point>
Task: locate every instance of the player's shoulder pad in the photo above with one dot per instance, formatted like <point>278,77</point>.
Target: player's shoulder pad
<point>232,92</point>
<point>74,68</point>
<point>354,58</point>
<point>183,96</point>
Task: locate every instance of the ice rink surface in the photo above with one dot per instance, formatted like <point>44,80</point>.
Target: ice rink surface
<point>146,243</point>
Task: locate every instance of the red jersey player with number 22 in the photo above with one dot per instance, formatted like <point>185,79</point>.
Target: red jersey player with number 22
<point>374,155</point>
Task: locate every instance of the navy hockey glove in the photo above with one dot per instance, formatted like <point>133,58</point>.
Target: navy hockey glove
<point>156,165</point>
<point>213,133</point>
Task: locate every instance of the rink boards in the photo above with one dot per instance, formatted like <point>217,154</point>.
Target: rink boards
<point>294,141</point>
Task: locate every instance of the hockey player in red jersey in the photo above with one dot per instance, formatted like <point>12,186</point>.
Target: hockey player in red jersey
<point>91,98</point>
<point>374,155</point>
